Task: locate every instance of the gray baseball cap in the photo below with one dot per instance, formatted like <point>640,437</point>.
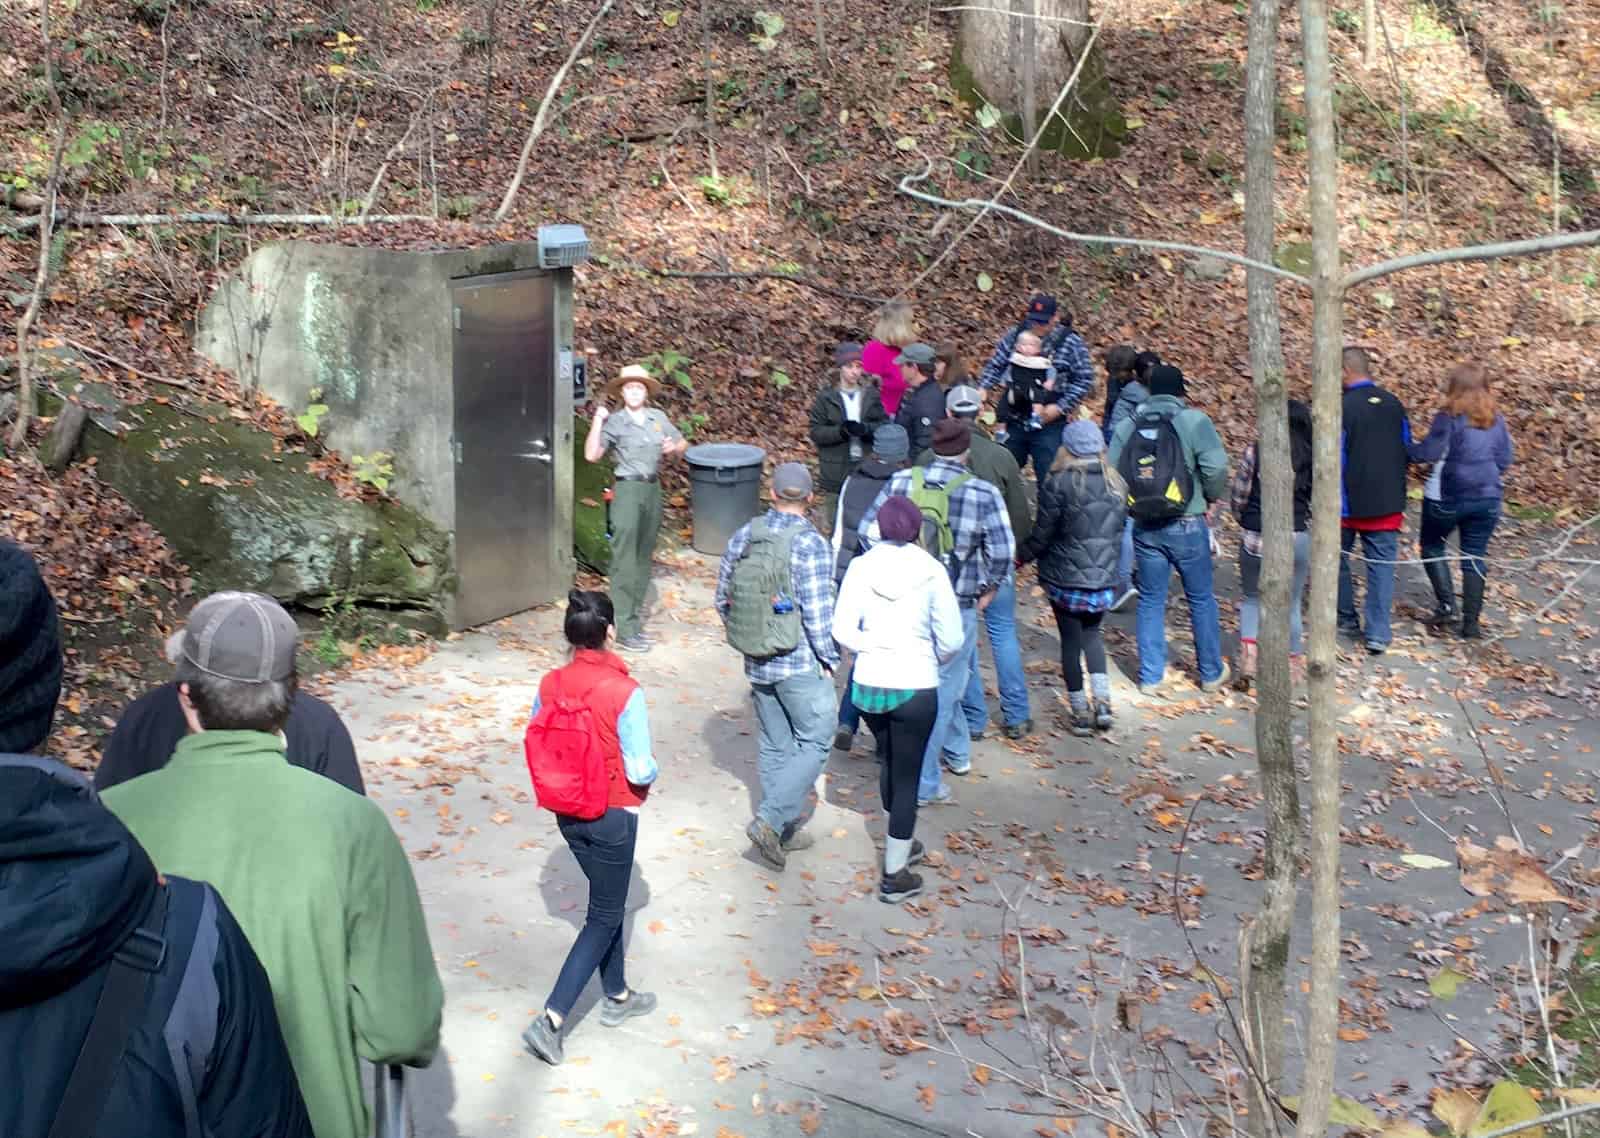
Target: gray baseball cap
<point>963,400</point>
<point>791,480</point>
<point>246,637</point>
<point>916,354</point>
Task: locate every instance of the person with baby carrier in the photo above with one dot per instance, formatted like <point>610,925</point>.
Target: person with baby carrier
<point>1044,369</point>
<point>1171,459</point>
<point>588,752</point>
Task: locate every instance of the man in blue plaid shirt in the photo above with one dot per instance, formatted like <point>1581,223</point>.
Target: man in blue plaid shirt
<point>795,701</point>
<point>982,554</point>
<point>1072,379</point>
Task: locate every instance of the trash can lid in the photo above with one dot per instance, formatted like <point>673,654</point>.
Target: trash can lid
<point>725,456</point>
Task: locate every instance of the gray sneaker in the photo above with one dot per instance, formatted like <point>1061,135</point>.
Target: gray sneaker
<point>614,1012</point>
<point>543,1040</point>
<point>1220,682</point>
<point>638,642</point>
<point>767,843</point>
<point>941,797</point>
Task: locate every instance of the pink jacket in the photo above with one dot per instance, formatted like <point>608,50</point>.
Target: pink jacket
<point>877,359</point>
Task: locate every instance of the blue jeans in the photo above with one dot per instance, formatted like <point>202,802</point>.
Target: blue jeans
<point>949,733</point>
<point>797,717</point>
<point>1185,545</point>
<point>1040,445</point>
<point>1000,620</point>
<point>1250,590</point>
<point>1380,548</point>
<point>1474,517</point>
<point>604,849</point>
<point>1125,559</point>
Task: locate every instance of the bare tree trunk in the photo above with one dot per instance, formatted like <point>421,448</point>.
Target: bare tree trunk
<point>47,217</point>
<point>492,34</point>
<point>819,15</point>
<point>1269,935</point>
<point>1327,300</point>
<point>705,69</point>
<point>1030,82</point>
<point>1369,34</point>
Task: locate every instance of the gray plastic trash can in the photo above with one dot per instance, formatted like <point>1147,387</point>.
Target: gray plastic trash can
<point>726,491</point>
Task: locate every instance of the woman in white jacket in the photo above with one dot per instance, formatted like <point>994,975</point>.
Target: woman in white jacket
<point>897,612</point>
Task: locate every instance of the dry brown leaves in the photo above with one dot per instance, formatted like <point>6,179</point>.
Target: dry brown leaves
<point>1507,871</point>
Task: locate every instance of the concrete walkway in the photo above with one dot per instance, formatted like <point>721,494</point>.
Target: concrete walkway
<point>797,1003</point>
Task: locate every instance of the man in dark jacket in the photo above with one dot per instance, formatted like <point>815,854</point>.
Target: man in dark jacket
<point>93,936</point>
<point>923,403</point>
<point>843,419</point>
<point>994,464</point>
<point>149,730</point>
<point>861,489</point>
<point>1373,470</point>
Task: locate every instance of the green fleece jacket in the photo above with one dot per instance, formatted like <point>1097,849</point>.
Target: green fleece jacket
<point>322,888</point>
<point>1202,448</point>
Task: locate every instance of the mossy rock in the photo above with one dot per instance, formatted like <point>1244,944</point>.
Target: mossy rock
<point>589,482</point>
<point>1295,257</point>
<point>1093,127</point>
<point>244,515</point>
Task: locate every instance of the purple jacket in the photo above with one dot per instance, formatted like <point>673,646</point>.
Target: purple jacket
<point>1474,458</point>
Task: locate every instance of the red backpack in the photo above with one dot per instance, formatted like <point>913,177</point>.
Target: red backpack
<point>566,757</point>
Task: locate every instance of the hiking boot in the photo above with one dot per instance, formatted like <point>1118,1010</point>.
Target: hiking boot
<point>1472,585</point>
<point>635,643</point>
<point>979,733</point>
<point>941,797</point>
<point>1220,682</point>
<point>613,1013</point>
<point>798,840</point>
<point>1079,723</point>
<point>843,739</point>
<point>767,843</point>
<point>543,1040</point>
<point>1102,716</point>
<point>1127,595</point>
<point>1444,596</point>
<point>901,886</point>
<point>1019,730</point>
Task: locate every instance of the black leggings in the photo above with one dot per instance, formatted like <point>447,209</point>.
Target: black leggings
<point>1080,637</point>
<point>902,738</point>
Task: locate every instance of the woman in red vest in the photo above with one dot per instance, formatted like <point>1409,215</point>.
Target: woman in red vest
<point>603,846</point>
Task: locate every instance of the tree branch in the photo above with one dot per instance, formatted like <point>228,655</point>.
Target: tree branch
<point>124,364</point>
<point>759,274</point>
<point>544,109</point>
<point>1472,253</point>
<point>26,224</point>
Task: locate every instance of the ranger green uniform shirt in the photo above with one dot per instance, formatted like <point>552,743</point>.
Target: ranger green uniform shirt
<point>321,886</point>
<point>636,446</point>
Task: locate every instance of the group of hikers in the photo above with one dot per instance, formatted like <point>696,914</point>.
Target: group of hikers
<point>223,886</point>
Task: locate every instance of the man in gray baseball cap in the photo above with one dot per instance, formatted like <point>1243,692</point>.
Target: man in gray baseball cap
<point>786,638</point>
<point>315,876</point>
<point>922,405</point>
<point>993,463</point>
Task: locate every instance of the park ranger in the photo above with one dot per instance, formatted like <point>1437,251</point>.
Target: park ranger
<point>637,438</point>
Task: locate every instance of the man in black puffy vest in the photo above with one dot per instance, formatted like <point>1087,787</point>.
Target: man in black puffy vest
<point>111,973</point>
<point>1373,469</point>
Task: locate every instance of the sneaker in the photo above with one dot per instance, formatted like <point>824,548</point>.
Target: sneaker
<point>543,1040</point>
<point>1020,730</point>
<point>941,797</point>
<point>1127,595</point>
<point>1376,649</point>
<point>635,643</point>
<point>767,843</point>
<point>899,887</point>
<point>1079,723</point>
<point>963,766</point>
<point>798,840</point>
<point>1350,628</point>
<point>917,851</point>
<point>978,734</point>
<point>1154,691</point>
<point>614,1012</point>
<point>843,739</point>
<point>1102,716</point>
<point>1220,682</point>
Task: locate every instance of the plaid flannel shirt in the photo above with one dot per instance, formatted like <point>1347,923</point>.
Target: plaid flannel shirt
<point>1239,497</point>
<point>1068,354</point>
<point>812,570</point>
<point>985,548</point>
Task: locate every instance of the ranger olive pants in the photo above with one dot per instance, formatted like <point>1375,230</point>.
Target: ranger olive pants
<point>635,522</point>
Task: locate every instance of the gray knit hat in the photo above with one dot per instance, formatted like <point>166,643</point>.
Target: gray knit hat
<point>1082,438</point>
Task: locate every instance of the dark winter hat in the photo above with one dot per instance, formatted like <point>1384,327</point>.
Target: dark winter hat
<point>244,637</point>
<point>1041,309</point>
<point>891,442</point>
<point>1143,362</point>
<point>899,519</point>
<point>848,352</point>
<point>30,653</point>
<point>1167,380</point>
<point>952,437</point>
<point>1083,438</point>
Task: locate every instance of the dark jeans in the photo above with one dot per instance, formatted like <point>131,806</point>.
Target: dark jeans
<point>1080,644</point>
<point>1040,445</point>
<point>903,737</point>
<point>1380,548</point>
<point>604,849</point>
<point>1475,518</point>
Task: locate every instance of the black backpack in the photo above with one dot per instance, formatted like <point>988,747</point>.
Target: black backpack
<point>1160,483</point>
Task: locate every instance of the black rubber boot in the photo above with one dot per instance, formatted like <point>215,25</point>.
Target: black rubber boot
<point>1471,605</point>
<point>1444,593</point>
